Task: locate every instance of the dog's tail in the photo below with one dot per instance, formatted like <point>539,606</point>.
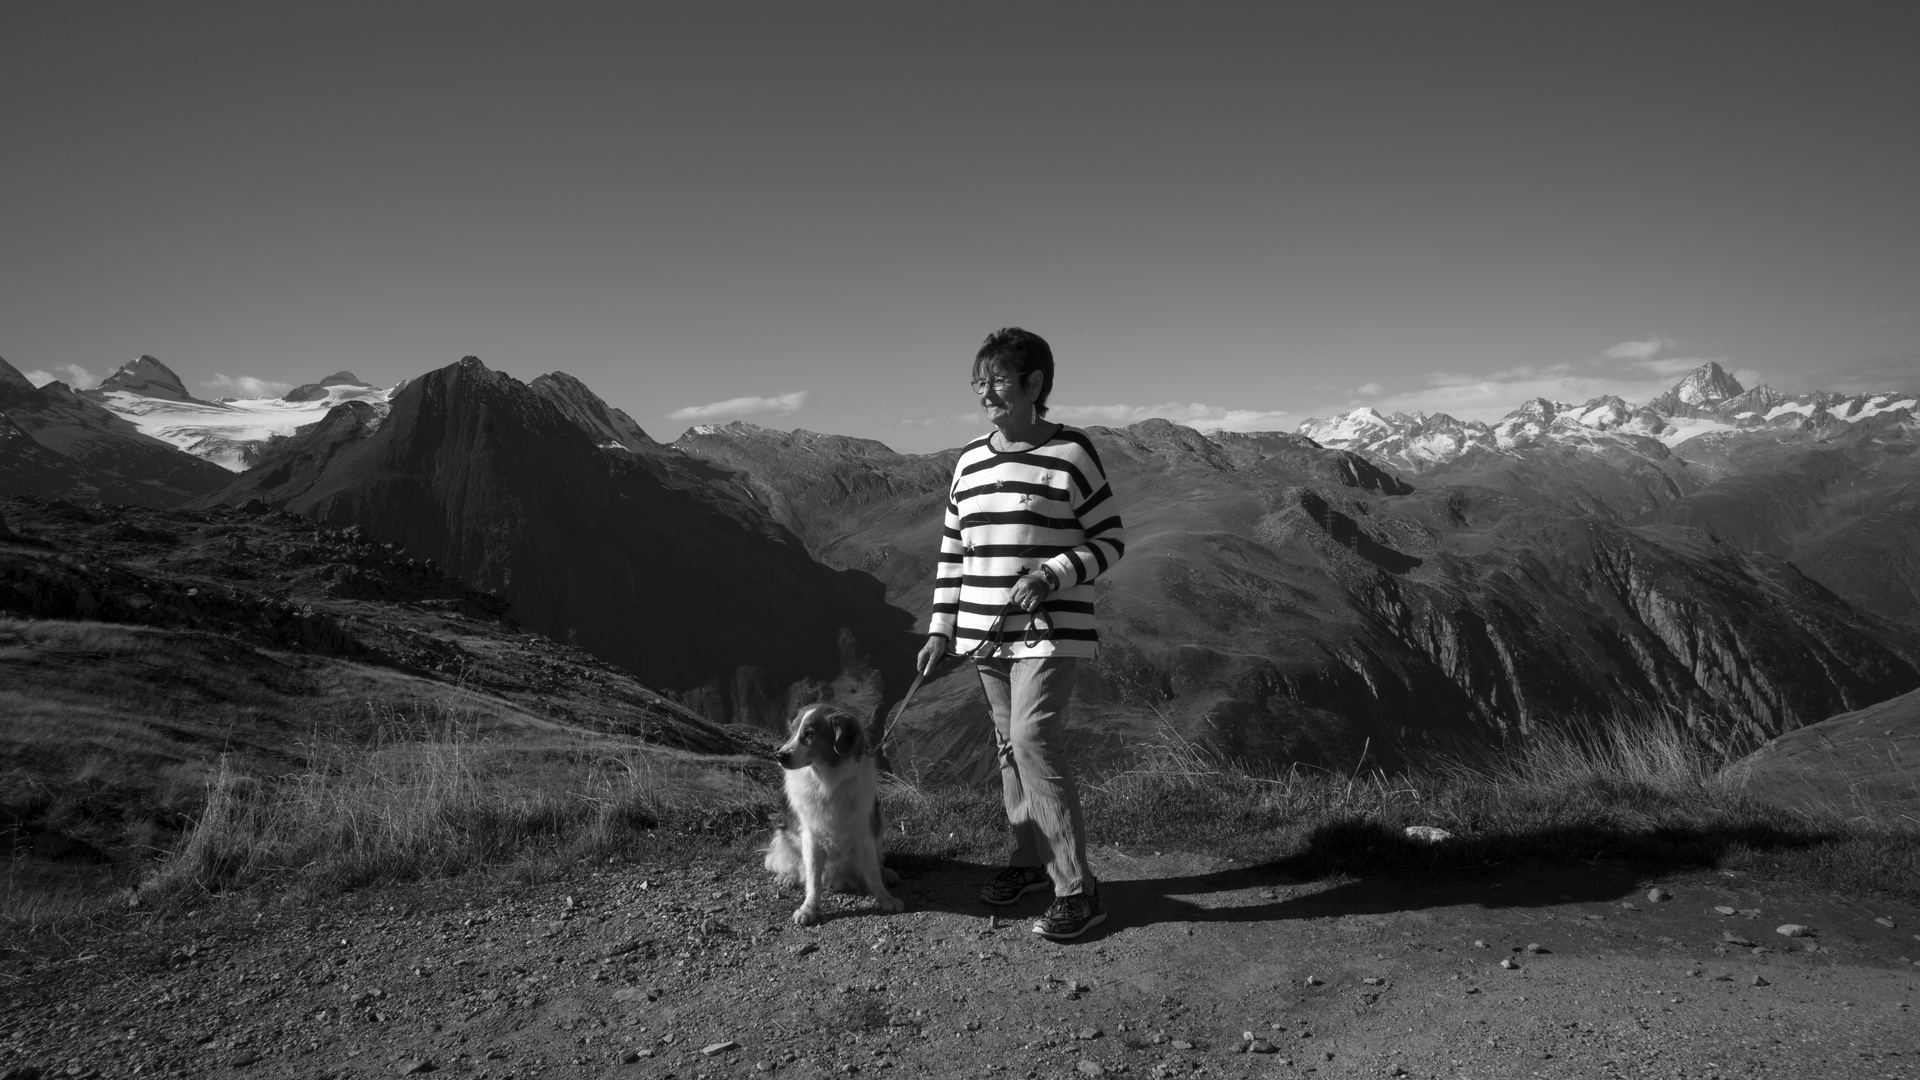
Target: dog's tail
<point>783,857</point>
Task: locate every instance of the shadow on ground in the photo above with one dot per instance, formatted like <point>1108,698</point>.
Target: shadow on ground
<point>1378,871</point>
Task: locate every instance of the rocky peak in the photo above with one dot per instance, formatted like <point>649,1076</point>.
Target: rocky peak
<point>1704,388</point>
<point>344,378</point>
<point>147,377</point>
<point>14,386</point>
<point>609,427</point>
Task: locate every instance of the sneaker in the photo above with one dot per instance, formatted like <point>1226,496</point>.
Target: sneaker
<point>1013,883</point>
<point>1070,916</point>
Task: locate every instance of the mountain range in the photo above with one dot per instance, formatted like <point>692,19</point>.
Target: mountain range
<point>1367,589</point>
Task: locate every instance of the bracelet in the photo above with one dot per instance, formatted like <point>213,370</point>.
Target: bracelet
<point>1053,582</point>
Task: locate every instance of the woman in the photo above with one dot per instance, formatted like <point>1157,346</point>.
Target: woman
<point>1030,523</point>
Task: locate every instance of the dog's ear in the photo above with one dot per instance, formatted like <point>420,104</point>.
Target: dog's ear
<point>849,738</point>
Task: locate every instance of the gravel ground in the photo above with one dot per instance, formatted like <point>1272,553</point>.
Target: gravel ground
<point>1205,968</point>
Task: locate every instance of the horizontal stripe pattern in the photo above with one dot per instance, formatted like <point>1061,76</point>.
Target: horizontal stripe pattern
<point>1008,514</point>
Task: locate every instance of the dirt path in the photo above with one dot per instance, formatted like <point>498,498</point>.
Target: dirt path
<point>651,971</point>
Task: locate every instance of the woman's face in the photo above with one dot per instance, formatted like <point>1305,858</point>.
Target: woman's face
<point>1007,397</point>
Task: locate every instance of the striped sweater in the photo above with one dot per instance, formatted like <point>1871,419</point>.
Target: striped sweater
<point>1012,512</point>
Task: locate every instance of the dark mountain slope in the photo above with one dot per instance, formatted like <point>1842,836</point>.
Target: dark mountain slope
<point>638,557</point>
<point>1287,602</point>
<point>97,456</point>
<point>1842,502</point>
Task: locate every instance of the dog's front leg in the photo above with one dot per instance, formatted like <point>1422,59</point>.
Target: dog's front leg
<point>813,865</point>
<point>877,874</point>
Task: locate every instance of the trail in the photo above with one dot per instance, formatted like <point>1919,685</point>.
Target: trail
<point>690,971</point>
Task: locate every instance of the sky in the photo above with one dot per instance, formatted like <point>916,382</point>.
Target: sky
<point>809,216</point>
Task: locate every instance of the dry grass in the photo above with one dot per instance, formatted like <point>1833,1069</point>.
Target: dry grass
<point>1649,797</point>
<point>428,798</point>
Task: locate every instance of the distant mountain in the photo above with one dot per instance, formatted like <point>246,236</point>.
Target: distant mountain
<point>56,443</point>
<point>230,432</point>
<point>1705,401</point>
<point>1287,602</point>
<point>147,377</point>
<point>1826,480</point>
<point>643,556</point>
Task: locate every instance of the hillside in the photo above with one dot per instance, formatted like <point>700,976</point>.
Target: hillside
<point>1287,602</point>
<point>1863,764</point>
<point>138,648</point>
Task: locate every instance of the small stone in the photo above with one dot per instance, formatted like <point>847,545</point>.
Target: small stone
<point>1089,1068</point>
<point>763,1065</point>
<point>719,1048</point>
<point>1886,921</point>
<point>1732,938</point>
<point>1629,905</point>
<point>1397,1070</point>
<point>1792,930</point>
<point>1536,948</point>
<point>1507,962</point>
<point>803,948</point>
<point>1761,980</point>
<point>1182,1044</point>
<point>1314,980</point>
<point>1428,834</point>
<point>241,1061</point>
<point>1374,980</point>
<point>1089,1033</point>
<point>1262,1046</point>
<point>1659,895</point>
<point>417,1065</point>
<point>1724,909</point>
<point>1473,989</point>
<point>1480,945</point>
<point>629,1057</point>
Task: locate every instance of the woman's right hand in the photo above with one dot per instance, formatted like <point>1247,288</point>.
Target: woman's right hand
<point>931,653</point>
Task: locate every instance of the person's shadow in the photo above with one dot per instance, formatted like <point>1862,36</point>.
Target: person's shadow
<point>1379,869</point>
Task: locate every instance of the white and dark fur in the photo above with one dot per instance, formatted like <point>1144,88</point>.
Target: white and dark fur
<point>832,840</point>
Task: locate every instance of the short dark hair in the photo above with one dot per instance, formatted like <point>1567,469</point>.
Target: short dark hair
<point>1021,352</point>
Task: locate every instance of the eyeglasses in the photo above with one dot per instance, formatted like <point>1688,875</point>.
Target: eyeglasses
<point>1000,383</point>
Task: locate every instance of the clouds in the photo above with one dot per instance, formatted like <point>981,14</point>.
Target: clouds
<point>72,374</point>
<point>1195,414</point>
<point>1369,389</point>
<point>245,386</point>
<point>781,405</point>
<point>1639,350</point>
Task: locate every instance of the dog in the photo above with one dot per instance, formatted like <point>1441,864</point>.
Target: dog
<point>833,837</point>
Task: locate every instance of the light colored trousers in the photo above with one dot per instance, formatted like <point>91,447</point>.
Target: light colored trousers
<point>1029,702</point>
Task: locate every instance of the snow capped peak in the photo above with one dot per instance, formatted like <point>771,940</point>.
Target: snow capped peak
<point>147,377</point>
<point>1703,387</point>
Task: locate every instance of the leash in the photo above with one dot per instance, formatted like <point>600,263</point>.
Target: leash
<point>996,636</point>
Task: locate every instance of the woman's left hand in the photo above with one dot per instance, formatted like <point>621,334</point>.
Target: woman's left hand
<point>1029,591</point>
